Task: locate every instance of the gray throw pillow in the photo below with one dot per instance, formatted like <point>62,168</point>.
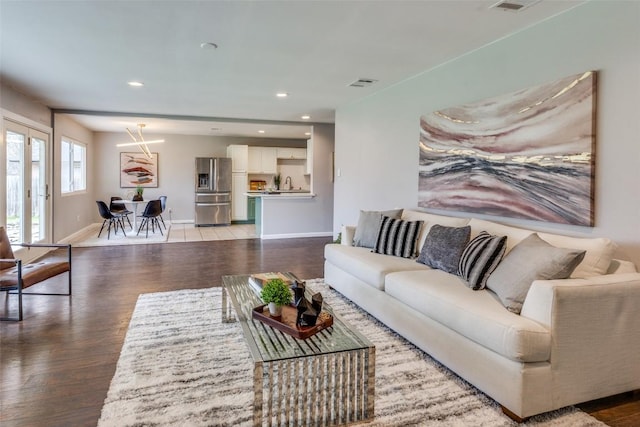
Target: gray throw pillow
<point>368,226</point>
<point>531,259</point>
<point>443,247</point>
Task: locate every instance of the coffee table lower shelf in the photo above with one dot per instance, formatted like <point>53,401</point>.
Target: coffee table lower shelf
<point>325,380</point>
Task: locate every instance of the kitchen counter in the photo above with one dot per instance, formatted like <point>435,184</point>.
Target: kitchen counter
<point>273,207</point>
<point>281,194</point>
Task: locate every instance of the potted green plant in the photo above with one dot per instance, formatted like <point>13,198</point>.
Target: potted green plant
<point>276,293</point>
<point>138,196</point>
<point>276,181</point>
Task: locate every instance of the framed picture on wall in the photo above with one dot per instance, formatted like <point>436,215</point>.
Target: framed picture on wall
<point>136,169</point>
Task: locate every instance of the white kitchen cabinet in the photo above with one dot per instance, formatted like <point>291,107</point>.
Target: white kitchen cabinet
<point>291,153</point>
<point>239,157</point>
<point>262,160</point>
<point>238,197</point>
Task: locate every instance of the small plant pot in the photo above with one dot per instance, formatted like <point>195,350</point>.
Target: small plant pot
<point>275,310</point>
<point>137,198</point>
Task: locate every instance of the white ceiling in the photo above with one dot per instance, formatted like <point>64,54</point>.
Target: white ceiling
<point>78,56</point>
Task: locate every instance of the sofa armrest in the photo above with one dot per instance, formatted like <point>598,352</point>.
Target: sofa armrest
<point>594,326</point>
<point>348,232</point>
<point>540,304</point>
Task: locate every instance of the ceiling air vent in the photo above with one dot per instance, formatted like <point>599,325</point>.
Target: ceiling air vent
<point>362,82</point>
<point>513,5</point>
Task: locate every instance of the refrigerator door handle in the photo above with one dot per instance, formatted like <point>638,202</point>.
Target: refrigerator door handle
<point>213,204</point>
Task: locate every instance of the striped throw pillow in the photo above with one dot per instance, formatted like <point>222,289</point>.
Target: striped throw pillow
<point>481,256</point>
<point>397,237</point>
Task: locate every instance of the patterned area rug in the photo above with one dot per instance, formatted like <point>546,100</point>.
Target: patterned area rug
<point>180,366</point>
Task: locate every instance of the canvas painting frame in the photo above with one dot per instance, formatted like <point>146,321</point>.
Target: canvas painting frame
<point>528,154</point>
<point>136,169</point>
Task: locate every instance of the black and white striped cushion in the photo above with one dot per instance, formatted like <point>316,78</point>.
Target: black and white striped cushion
<point>481,256</point>
<point>397,237</point>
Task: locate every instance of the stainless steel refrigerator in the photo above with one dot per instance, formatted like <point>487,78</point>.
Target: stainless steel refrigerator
<point>213,191</point>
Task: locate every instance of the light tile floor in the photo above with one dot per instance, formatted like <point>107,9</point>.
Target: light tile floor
<point>191,233</point>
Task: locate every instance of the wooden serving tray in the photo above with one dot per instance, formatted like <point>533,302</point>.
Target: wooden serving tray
<point>287,322</point>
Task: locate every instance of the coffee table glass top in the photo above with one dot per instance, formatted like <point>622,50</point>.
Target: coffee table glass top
<point>268,344</point>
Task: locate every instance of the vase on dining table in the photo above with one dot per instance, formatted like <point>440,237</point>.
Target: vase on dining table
<point>138,196</point>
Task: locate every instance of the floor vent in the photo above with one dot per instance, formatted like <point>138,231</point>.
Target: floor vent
<point>362,82</point>
<point>513,5</point>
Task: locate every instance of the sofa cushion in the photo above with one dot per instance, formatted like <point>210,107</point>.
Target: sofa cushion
<point>476,315</point>
<point>368,266</point>
<point>443,247</point>
<point>514,234</point>
<point>430,220</point>
<point>397,237</point>
<point>481,256</point>
<point>531,259</point>
<point>597,258</point>
<point>368,226</point>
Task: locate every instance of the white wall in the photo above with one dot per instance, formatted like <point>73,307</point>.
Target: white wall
<point>176,166</point>
<point>74,211</point>
<point>377,137</point>
<point>70,213</point>
<point>23,105</point>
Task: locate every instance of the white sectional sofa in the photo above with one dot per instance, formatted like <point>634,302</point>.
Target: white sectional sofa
<point>575,339</point>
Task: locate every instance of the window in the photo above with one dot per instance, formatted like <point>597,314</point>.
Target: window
<point>74,166</point>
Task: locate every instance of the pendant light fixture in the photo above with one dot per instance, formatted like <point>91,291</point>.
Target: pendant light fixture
<point>139,141</point>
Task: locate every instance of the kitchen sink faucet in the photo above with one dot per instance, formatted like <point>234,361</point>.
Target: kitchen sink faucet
<point>288,179</point>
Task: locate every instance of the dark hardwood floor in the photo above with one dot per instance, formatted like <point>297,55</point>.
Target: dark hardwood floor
<point>56,365</point>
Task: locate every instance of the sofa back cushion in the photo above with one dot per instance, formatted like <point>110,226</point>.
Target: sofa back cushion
<point>599,250</point>
<point>598,256</point>
<point>514,234</point>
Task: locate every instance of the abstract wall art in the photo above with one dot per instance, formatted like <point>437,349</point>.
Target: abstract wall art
<point>136,169</point>
<point>527,154</point>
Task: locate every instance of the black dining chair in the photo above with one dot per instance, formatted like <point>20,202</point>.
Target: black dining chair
<point>120,209</point>
<point>111,218</point>
<point>163,203</point>
<point>150,215</point>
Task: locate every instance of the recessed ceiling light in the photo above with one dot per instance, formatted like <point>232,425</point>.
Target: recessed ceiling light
<point>208,45</point>
<point>135,84</point>
<point>305,117</point>
<point>282,94</point>
<point>260,131</point>
<point>307,133</point>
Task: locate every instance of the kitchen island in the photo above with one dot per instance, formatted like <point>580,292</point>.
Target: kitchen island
<point>283,214</point>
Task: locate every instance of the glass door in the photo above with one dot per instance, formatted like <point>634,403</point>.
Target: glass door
<point>27,195</point>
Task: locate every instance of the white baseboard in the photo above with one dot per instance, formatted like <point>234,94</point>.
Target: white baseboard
<point>78,235</point>
<point>297,235</point>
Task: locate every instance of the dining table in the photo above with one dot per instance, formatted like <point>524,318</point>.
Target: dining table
<point>133,204</point>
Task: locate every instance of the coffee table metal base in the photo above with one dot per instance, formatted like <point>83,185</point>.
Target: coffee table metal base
<point>336,388</point>
<point>324,390</point>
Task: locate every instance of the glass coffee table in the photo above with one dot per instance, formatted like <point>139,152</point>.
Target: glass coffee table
<point>326,379</point>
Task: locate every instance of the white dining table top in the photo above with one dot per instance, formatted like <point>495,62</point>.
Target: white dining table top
<point>121,201</point>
